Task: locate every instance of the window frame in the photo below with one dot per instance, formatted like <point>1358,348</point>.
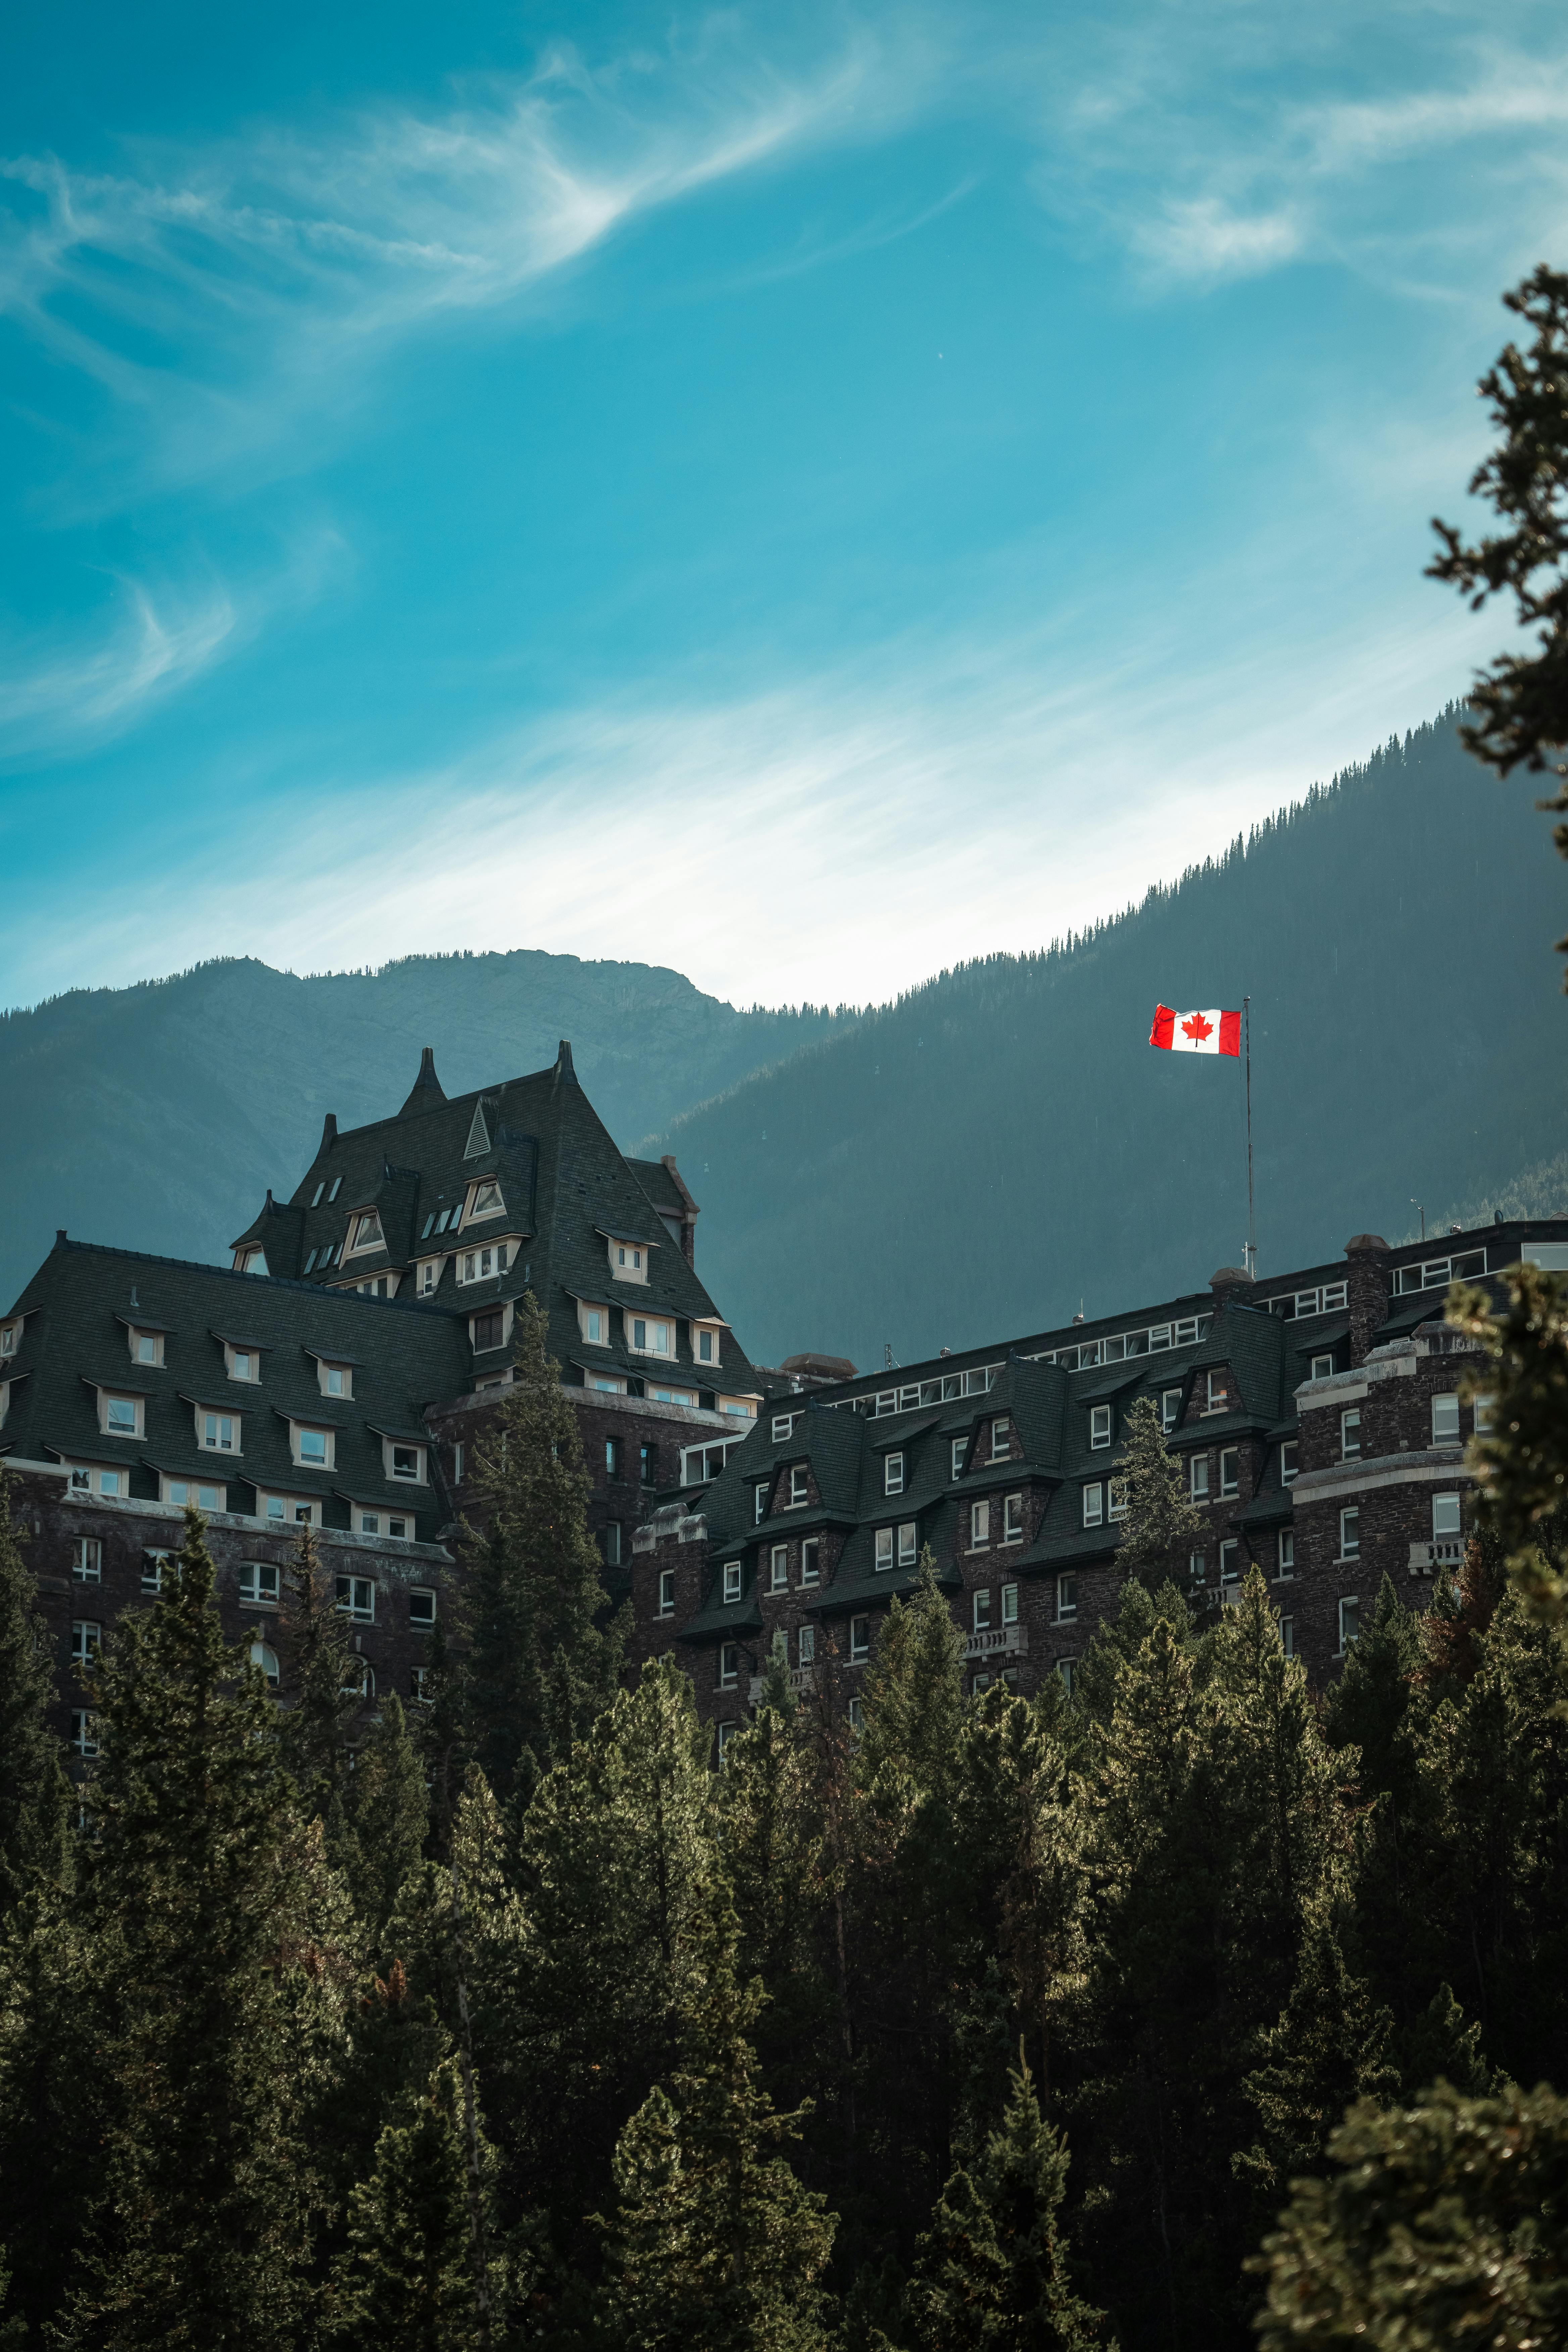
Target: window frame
<point>1100,1429</point>
<point>137,1432</point>
<point>358,1611</point>
<point>729,1665</point>
<point>1229,1561</point>
<point>810,1560</point>
<point>1002,1438</point>
<point>666,1592</point>
<point>893,1473</point>
<point>87,1559</point>
<point>1066,1613</point>
<point>1289,1460</point>
<point>882,1551</point>
<point>1093,1503</point>
<point>256,1571</point>
<point>1452,1534</point>
<point>778,1567</point>
<point>1350,1523</point>
<point>1350,1420</point>
<point>799,1486</point>
<point>980,1523</point>
<point>1285,1555</point>
<point>980,1609</point>
<point>732,1581</point>
<point>959,1455</point>
<point>1197,1464</point>
<point>1230,1480</point>
<point>1009,1604</point>
<point>1446,1398</point>
<point>1170,1411</point>
<point>1350,1602</point>
<point>859,1640</point>
<point>909,1543</point>
<point>209,1424</point>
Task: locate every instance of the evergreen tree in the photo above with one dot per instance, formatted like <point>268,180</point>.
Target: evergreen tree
<point>991,2274</point>
<point>1162,1524</point>
<point>714,2243</point>
<point>441,1731</point>
<point>543,1661</point>
<point>406,2282</point>
<point>1329,2050</point>
<point>320,1676</point>
<point>1521,1463</point>
<point>1117,1640</point>
<point>34,1792</point>
<point>56,2103</point>
<point>772,1849</point>
<point>389,1816</point>
<point>1444,2229</point>
<point>190,1905</point>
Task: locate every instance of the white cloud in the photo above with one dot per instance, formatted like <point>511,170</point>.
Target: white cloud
<point>1202,239</point>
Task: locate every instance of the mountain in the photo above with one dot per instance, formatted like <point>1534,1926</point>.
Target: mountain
<point>963,1164</point>
<point>976,1158</point>
<point>156,1117</point>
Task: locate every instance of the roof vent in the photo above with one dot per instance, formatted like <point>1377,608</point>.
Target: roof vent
<point>427,1089</point>
<point>478,1134</point>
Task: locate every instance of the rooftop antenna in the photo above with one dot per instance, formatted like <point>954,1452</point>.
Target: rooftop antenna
<point>1416,1204</point>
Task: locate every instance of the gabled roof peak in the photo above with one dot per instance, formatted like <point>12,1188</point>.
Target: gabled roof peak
<point>566,1076</point>
<point>426,1090</point>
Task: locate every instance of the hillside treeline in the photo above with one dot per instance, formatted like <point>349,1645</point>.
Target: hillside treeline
<point>1002,2022</point>
<point>1002,1145</point>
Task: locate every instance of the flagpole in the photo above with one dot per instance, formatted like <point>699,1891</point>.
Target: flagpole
<point>1251,1227</point>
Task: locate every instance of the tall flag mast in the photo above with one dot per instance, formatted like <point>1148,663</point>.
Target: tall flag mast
<point>1214,1031</point>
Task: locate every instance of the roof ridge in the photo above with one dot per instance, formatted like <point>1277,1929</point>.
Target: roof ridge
<point>234,1274</point>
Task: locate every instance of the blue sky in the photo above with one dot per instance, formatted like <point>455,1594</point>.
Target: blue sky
<point>800,494</point>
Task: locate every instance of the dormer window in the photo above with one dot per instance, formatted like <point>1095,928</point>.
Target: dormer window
<point>217,1432</point>
<point>334,1379</point>
<point>799,1487</point>
<point>10,1337</point>
<point>629,1261</point>
<point>429,1274</point>
<point>486,1201</point>
<point>119,1416</point>
<point>241,1363</point>
<point>313,1449</point>
<point>594,1322</point>
<point>650,1336</point>
<point>705,1343</point>
<point>405,1463</point>
<point>482,1265</point>
<point>146,1347</point>
<point>892,1474</point>
<point>1098,1425</point>
<point>1001,1438</point>
<point>367,1232</point>
<point>249,1261</point>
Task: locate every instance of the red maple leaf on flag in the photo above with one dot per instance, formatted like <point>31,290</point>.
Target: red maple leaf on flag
<point>1197,1027</point>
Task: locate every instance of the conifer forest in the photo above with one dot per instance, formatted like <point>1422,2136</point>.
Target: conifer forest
<point>1181,2010</point>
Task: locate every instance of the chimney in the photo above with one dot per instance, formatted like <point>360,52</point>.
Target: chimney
<point>1230,1283</point>
<point>1368,1284</point>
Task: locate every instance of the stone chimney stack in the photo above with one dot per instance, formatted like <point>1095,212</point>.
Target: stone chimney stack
<point>1367,1254</point>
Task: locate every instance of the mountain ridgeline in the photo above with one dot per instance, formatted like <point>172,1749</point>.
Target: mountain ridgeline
<point>966,1163</point>
<point>970,1162</point>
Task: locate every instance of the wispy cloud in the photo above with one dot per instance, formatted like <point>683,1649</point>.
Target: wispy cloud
<point>220,296</point>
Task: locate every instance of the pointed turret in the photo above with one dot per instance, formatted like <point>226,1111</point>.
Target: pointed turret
<point>427,1091</point>
<point>566,1076</point>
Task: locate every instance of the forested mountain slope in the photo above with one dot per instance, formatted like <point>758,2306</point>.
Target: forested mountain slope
<point>156,1117</point>
<point>970,1162</point>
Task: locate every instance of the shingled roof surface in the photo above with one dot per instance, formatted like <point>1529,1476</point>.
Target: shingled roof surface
<point>566,1189</point>
<point>82,1304</point>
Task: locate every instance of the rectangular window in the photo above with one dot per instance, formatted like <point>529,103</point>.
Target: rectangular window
<point>612,1543</point>
<point>147,1346</point>
<point>981,1605</point>
<point>84,1732</point>
<point>1349,1622</point>
<point>1098,1425</point>
<point>258,1583</point>
<point>1116,1498</point>
<point>729,1665</point>
<point>799,1487</point>
<point>1009,1604</point>
<point>429,1276</point>
<point>1170,1409</point>
<point>1323,1367</point>
<point>666,1592</point>
<point>1217,1398</point>
<point>458,1458</point>
<point>1288,1636</point>
<point>1288,1462</point>
<point>1198,1477</point>
<point>1230,1562</point>
<point>86,1561</point>
<point>244,1364</point>
<point>612,1457</point>
<point>909,1543</point>
<point>707,1347</point>
<point>1066,1668</point>
<point>1094,1505</point>
<point>356,1598</point>
<point>778,1568</point>
<point>594,1326</point>
<point>1199,1567</point>
<point>488,1330</point>
<point>810,1560</point>
<point>979,1526</point>
<point>183,1491</point>
<point>1349,1533</point>
<point>402,1527</point>
<point>217,1432</point>
<point>421,1608</point>
<point>312,1447</point>
<point>732,1579</point>
<point>1444,1515</point>
<point>406,1462</point>
<point>855,1716</point>
<point>960,1447</point>
<point>893,1473</point>
<point>884,1549</point>
<point>1446,1420</point>
<point>859,1639</point>
<point>1482,1421</point>
<point>647,1465</point>
<point>421,1684</point>
<point>370,1523</point>
<point>783,1427</point>
<point>1229,1469</point>
<point>652,1338</point>
<point>1066,1600</point>
<point>121,1416</point>
<point>1001,1438</point>
<point>87,1640</point>
<point>806,1645</point>
<point>1350,1434</point>
<point>760,1505</point>
<point>1285,1553</point>
<point>155,1566</point>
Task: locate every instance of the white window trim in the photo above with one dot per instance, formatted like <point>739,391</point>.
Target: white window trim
<point>291,1506</point>
<point>1011,1534</point>
<point>325,1364</point>
<point>892,1479</point>
<point>665,1323</point>
<point>201,1413</point>
<point>666,1592</point>
<point>495,1251</point>
<point>1101,1427</point>
<point>359,1248</point>
<point>600,1307</point>
<point>405,1445</point>
<point>628,1271</point>
<point>105,1396</point>
<point>297,1429</point>
<point>714,1332</point>
<point>138,1331</point>
<point>472,1214</point>
<point>1094,1503</point>
<point>980,1517</point>
<point>242,1380</point>
<point>167,1484</point>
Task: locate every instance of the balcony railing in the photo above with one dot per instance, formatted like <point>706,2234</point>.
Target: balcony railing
<point>1443,1551</point>
<point>998,1641</point>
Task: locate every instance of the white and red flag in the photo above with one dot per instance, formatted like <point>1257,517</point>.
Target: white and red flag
<point>1196,1033</point>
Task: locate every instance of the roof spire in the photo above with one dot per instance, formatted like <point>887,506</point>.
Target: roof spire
<point>565,1073</point>
<point>427,1090</point>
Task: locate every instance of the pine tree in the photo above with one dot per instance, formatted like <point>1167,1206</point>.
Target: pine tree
<point>991,2274</point>
<point>1162,1524</point>
<point>714,2244</point>
<point>772,1849</point>
<point>389,1815</point>
<point>545,1663</point>
<point>1443,2228</point>
<point>406,2282</point>
<point>319,1679</point>
<point>190,1905</point>
<point>34,1792</point>
<point>1329,2050</point>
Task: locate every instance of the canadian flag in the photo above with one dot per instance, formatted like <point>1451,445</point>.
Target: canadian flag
<point>1196,1033</point>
